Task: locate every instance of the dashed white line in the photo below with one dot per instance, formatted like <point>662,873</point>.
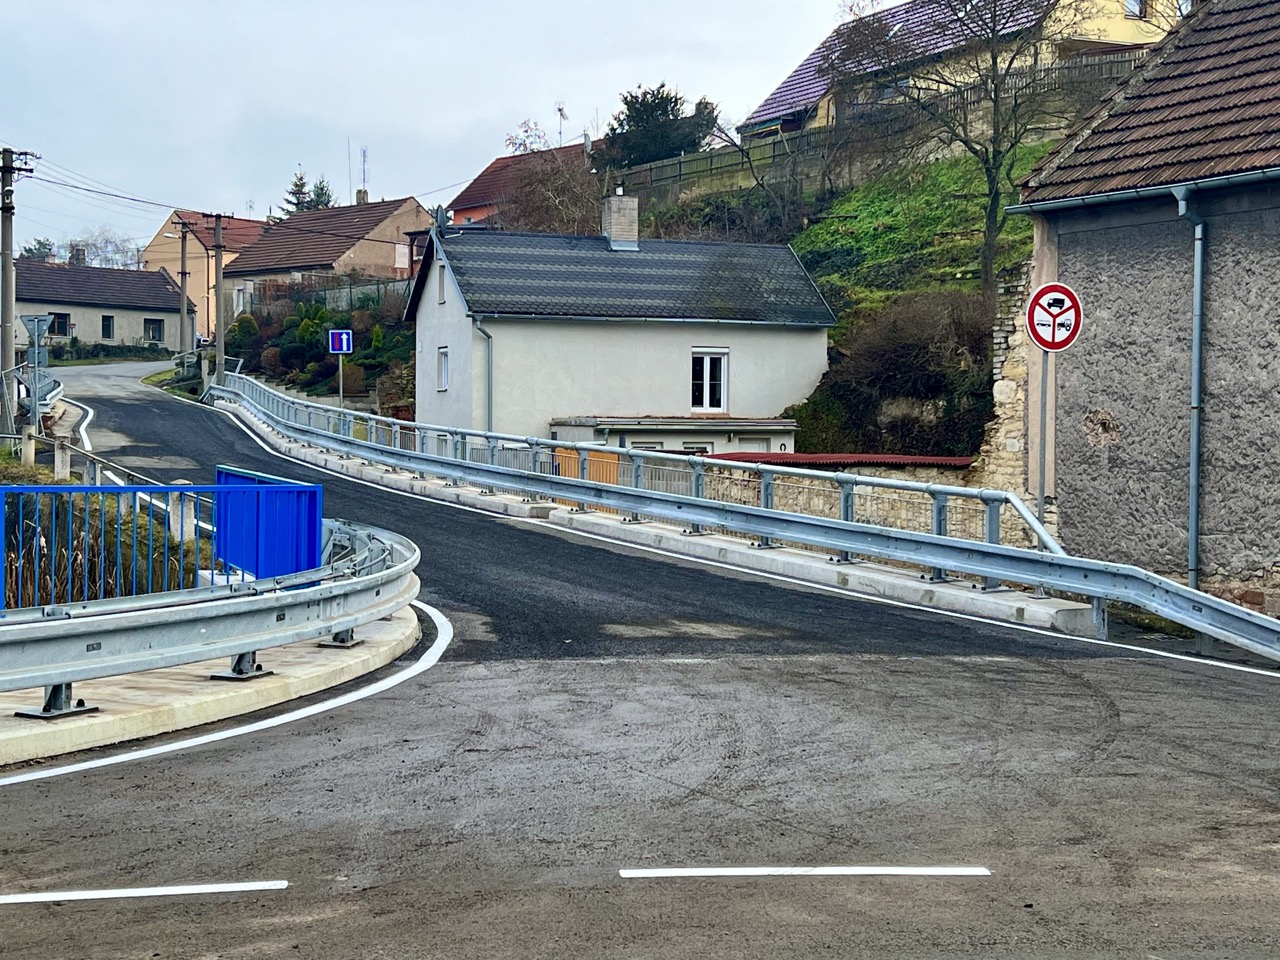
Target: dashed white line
<point>127,893</point>
<point>871,871</point>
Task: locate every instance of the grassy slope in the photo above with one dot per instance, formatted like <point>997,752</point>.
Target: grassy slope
<point>915,229</point>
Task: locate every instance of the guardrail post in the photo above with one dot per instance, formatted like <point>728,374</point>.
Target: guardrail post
<point>699,483</point>
<point>848,513</point>
<point>492,445</point>
<point>584,473</point>
<point>61,460</point>
<point>637,481</point>
<point>938,527</point>
<point>766,501</point>
<point>1101,619</point>
<point>244,666</point>
<point>991,529</point>
<point>29,445</point>
<point>455,453</point>
<point>58,702</point>
<point>535,466</point>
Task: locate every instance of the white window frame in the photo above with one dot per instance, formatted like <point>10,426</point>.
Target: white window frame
<point>709,354</point>
<point>442,369</point>
<point>1136,9</point>
<point>440,271</point>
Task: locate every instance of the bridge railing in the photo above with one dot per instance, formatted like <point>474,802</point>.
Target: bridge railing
<point>521,464</point>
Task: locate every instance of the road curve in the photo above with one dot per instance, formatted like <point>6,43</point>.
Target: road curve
<point>602,709</point>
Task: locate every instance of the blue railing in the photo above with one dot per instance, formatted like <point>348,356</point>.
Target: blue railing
<point>73,544</point>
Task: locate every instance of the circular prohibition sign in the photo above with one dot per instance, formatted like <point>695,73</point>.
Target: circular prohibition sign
<point>1054,317</point>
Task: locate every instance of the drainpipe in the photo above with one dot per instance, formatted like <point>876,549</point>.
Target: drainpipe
<point>488,376</point>
<point>1183,195</point>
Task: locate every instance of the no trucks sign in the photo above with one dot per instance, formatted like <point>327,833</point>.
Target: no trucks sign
<point>1054,317</point>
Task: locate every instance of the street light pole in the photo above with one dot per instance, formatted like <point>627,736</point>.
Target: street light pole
<point>186,332</point>
<point>220,328</point>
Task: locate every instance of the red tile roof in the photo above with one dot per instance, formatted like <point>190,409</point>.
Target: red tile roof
<point>496,181</point>
<point>833,460</point>
<point>237,232</point>
<point>919,28</point>
<point>1207,104</point>
<point>313,238</point>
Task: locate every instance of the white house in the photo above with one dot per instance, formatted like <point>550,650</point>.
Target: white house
<point>99,304</point>
<point>662,344</point>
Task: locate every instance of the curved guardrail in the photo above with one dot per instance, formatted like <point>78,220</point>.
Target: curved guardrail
<point>1095,579</point>
<point>371,577</point>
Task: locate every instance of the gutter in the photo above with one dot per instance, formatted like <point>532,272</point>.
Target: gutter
<point>488,376</point>
<point>558,318</point>
<point>1146,193</point>
<point>1185,212</point>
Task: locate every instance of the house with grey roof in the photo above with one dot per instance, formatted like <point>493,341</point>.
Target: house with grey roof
<point>1163,213</point>
<point>98,304</point>
<point>662,344</point>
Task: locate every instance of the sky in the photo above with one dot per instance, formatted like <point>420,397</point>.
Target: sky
<point>212,106</point>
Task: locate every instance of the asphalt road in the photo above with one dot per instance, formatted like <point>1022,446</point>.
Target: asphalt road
<point>602,708</point>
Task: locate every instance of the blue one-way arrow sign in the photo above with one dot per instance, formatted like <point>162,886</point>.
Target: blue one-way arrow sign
<point>340,341</point>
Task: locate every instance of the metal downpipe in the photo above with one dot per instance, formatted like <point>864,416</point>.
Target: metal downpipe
<point>1197,389</point>
<point>488,377</point>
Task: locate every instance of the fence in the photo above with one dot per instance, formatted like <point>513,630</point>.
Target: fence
<point>80,544</point>
<point>335,291</point>
<point>484,460</point>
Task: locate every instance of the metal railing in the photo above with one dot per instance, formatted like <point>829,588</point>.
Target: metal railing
<point>992,516</point>
<point>522,465</point>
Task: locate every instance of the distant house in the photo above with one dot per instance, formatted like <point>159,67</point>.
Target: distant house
<point>364,239</point>
<point>483,197</point>
<point>1175,179</point>
<point>98,304</point>
<point>164,252</point>
<point>806,98</point>
<point>650,343</point>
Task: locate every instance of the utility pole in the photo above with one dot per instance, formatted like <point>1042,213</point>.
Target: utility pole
<point>8,280</point>
<point>186,332</point>
<point>220,324</point>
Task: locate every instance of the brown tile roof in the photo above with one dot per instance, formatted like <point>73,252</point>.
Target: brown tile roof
<point>313,238</point>
<point>1207,104</point>
<point>57,283</point>
<point>237,232</point>
<point>495,182</point>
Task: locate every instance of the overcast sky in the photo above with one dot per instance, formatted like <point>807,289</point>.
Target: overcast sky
<point>212,106</point>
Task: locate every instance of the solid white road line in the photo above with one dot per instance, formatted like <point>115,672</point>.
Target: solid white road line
<point>668,872</point>
<point>82,427</point>
<point>126,893</point>
<point>777,577</point>
<point>444,635</point>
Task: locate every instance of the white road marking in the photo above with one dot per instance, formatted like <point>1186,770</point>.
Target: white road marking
<point>82,427</point>
<point>444,635</point>
<point>669,872</point>
<point>126,893</point>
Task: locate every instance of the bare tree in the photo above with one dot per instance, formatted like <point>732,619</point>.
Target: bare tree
<point>556,192</point>
<point>979,75</point>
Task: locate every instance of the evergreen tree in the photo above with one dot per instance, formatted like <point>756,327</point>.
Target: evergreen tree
<point>652,125</point>
<point>298,196</point>
<point>38,249</point>
<point>321,195</point>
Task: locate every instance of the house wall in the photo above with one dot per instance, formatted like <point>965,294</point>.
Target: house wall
<point>545,370</point>
<point>447,325</point>
<point>375,255</point>
<point>1111,24</point>
<point>86,322</point>
<point>1123,416</point>
<point>166,253</point>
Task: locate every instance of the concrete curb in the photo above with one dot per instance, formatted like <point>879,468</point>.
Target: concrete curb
<point>162,701</point>
<point>872,579</point>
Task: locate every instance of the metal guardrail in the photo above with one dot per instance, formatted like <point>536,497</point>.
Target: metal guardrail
<point>994,562</point>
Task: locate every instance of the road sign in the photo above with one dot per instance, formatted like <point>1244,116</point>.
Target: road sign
<point>1054,317</point>
<point>37,324</point>
<point>340,341</point>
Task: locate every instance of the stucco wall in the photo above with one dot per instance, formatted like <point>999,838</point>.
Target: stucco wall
<point>87,322</point>
<point>165,252</point>
<point>375,256</point>
<point>446,325</point>
<point>1123,391</point>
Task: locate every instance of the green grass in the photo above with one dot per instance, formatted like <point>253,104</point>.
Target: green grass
<point>160,379</point>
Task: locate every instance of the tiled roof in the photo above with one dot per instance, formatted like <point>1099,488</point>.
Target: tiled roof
<point>835,460</point>
<point>313,238</point>
<point>1207,104</point>
<point>918,28</point>
<point>548,275</point>
<point>55,283</point>
<point>495,182</point>
<point>237,232</point>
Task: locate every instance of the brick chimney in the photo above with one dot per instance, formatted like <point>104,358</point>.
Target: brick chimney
<point>620,223</point>
<point>78,257</point>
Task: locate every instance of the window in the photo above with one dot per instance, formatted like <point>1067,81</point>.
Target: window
<point>61,325</point>
<point>1135,8</point>
<point>709,381</point>
<point>442,369</point>
<point>440,283</point>
<point>698,449</point>
<point>108,327</point>
<point>153,330</point>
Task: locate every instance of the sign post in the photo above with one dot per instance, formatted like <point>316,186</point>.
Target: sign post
<point>37,325</point>
<point>1054,321</point>
<point>340,342</point>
